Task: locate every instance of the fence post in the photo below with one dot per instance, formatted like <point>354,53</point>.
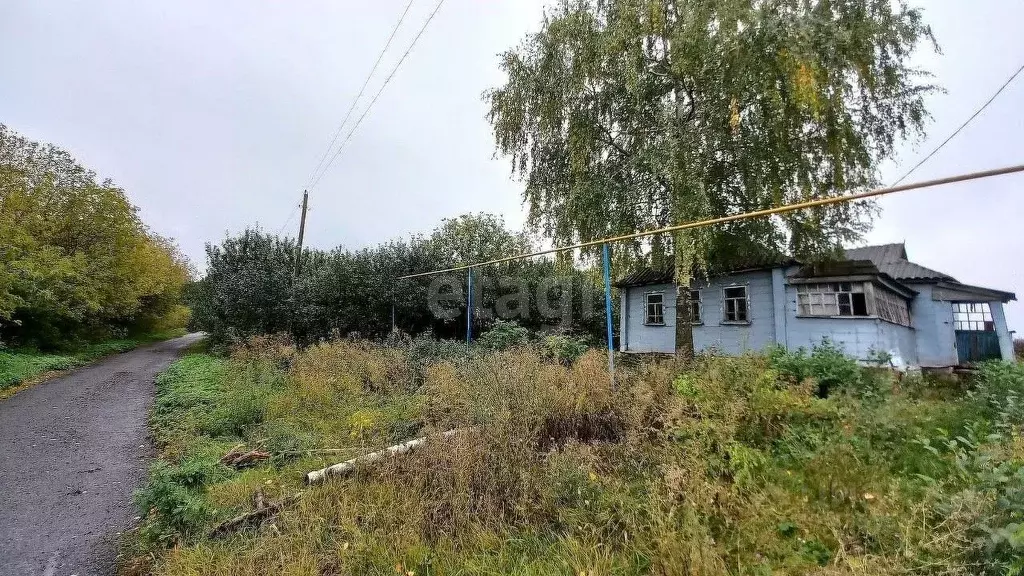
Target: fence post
<point>469,307</point>
<point>608,314</point>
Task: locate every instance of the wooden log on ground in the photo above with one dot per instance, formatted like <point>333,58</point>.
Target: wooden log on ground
<point>238,457</point>
<point>253,518</point>
<point>346,467</point>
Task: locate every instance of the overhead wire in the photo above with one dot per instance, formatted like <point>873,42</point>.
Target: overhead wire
<point>387,80</point>
<point>362,89</point>
<point>742,216</point>
<point>962,126</point>
<point>290,216</point>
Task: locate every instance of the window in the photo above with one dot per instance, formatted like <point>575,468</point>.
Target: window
<point>654,302</point>
<point>695,307</point>
<point>891,307</point>
<point>852,299</point>
<point>736,304</point>
<point>833,299</point>
<point>975,316</point>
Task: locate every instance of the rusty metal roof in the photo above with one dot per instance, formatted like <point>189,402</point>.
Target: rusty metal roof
<point>891,259</point>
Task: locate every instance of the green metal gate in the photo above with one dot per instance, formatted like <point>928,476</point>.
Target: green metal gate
<point>977,345</point>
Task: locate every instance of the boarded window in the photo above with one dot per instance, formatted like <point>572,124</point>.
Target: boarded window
<point>736,304</point>
<point>891,306</point>
<point>832,299</point>
<point>695,308</point>
<point>975,316</point>
<point>654,302</point>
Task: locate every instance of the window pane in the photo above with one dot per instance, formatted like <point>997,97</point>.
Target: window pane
<point>738,292</point>
<point>860,304</point>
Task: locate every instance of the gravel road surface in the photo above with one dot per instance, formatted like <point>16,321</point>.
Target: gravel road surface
<point>72,450</point>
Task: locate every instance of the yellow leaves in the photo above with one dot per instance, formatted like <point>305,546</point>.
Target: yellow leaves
<point>734,116</point>
<point>806,89</point>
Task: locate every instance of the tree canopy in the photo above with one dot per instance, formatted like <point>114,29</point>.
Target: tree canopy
<point>628,114</point>
<point>623,115</point>
<point>75,259</point>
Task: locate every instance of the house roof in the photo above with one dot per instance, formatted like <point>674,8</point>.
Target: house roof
<point>892,259</point>
<point>647,276</point>
<point>887,261</point>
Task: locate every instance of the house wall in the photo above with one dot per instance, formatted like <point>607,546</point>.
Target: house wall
<point>1005,339</point>
<point>642,338</point>
<point>933,322</point>
<point>858,337</point>
<point>728,338</point>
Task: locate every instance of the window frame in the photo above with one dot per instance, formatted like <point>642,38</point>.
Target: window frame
<point>746,304</point>
<point>699,320</point>
<point>829,296</point>
<point>971,315</point>
<point>647,307</point>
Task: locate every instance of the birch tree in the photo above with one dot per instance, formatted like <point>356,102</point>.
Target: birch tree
<point>623,115</point>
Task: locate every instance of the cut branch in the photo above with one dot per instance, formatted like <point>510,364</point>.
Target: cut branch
<point>258,516</point>
<point>348,466</point>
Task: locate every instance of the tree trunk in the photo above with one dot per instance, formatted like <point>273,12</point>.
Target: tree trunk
<point>683,249</point>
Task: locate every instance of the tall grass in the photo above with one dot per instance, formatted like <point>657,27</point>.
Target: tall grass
<point>723,466</point>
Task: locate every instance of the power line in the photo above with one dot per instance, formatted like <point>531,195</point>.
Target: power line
<point>743,216</point>
<point>962,126</point>
<point>377,95</point>
<point>362,89</point>
<point>290,216</point>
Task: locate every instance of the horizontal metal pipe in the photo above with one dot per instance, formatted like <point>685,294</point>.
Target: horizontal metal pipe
<point>743,216</point>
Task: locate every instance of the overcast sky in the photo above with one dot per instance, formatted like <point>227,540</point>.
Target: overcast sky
<point>213,115</point>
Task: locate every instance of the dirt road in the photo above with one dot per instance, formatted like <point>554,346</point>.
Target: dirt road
<point>72,450</point>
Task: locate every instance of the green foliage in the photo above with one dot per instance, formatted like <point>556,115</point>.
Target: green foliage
<point>504,335</point>
<point>564,349</point>
<point>827,365</point>
<point>629,114</point>
<point>250,288</point>
<point>76,262</point>
<point>999,393</point>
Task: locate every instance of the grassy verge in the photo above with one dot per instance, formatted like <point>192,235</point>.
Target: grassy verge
<point>25,366</point>
<point>723,466</point>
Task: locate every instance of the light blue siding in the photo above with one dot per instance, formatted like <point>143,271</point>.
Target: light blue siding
<point>640,337</point>
<point>728,338</point>
<point>1005,341</point>
<point>858,337</point>
<point>933,321</point>
<point>772,307</point>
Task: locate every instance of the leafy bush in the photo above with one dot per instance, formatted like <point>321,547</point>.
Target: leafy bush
<point>564,349</point>
<point>827,365</point>
<point>503,335</point>
<point>999,392</point>
<point>173,498</point>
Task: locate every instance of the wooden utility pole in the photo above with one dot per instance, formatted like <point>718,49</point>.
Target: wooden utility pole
<point>302,232</point>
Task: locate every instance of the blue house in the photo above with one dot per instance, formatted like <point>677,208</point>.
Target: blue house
<point>874,301</point>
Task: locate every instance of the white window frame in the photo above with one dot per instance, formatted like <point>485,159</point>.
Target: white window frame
<point>746,304</point>
<point>647,308</point>
<point>973,317</point>
<point>826,299</point>
<point>699,308</point>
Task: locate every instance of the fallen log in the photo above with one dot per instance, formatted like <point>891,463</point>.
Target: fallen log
<point>258,516</point>
<point>238,457</point>
<point>346,467</point>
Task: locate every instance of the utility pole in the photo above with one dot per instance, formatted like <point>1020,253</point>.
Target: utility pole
<point>302,232</point>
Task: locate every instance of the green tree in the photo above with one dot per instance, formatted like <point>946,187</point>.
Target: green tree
<point>622,115</point>
<point>75,259</point>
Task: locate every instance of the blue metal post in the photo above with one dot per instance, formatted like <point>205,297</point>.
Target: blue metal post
<point>469,307</point>
<point>608,313</point>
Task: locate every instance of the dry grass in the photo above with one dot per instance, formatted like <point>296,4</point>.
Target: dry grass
<point>720,467</point>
